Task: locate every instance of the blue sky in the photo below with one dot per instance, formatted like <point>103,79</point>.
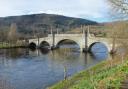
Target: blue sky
<point>88,9</point>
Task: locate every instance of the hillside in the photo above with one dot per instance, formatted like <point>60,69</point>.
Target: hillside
<point>42,23</point>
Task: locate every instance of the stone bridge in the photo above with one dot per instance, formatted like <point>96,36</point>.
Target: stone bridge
<point>85,41</point>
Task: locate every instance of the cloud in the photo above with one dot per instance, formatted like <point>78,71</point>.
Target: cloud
<point>75,8</point>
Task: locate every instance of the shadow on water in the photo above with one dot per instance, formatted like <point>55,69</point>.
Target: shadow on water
<point>32,49</point>
<point>38,69</point>
<point>44,50</point>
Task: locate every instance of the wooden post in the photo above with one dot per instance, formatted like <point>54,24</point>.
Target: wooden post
<point>113,46</point>
<point>65,73</point>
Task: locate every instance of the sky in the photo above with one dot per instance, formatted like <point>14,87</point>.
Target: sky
<point>96,10</point>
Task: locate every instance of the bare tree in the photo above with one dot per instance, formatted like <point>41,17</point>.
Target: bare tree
<point>119,29</point>
<point>3,35</point>
<point>120,8</point>
<point>12,35</point>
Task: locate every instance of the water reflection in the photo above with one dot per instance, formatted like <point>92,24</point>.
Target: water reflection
<point>44,50</point>
<point>4,84</point>
<point>37,69</point>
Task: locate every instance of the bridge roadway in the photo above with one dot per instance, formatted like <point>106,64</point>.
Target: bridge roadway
<point>85,41</point>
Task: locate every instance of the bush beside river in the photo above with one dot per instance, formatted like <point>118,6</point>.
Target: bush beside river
<point>107,75</point>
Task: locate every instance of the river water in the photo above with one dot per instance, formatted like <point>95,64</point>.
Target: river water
<point>39,69</point>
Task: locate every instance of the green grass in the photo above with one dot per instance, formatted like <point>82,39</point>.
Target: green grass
<point>106,75</point>
<point>8,45</point>
<point>2,45</point>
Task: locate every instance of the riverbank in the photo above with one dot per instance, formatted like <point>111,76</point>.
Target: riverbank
<point>107,75</point>
<point>5,45</point>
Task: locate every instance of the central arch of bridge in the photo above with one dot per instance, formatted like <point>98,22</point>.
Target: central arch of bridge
<point>32,45</point>
<point>67,42</point>
<point>44,44</point>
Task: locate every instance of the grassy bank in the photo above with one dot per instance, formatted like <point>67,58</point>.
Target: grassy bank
<point>106,75</point>
<point>4,45</point>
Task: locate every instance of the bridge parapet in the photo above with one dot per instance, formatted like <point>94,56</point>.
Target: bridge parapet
<point>63,35</point>
<point>32,40</point>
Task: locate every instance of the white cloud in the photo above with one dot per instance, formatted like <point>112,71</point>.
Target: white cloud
<point>76,8</point>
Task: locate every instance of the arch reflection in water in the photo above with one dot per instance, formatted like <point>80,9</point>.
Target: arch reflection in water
<point>44,50</point>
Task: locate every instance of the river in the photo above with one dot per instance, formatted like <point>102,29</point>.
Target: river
<point>39,69</point>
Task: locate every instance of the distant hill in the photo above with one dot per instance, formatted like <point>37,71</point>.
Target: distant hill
<point>42,23</point>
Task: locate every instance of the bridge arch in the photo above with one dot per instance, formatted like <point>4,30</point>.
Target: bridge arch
<point>44,44</point>
<point>69,41</point>
<point>32,45</point>
<point>104,44</point>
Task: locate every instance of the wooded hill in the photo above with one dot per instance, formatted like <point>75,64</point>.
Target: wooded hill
<point>42,23</point>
